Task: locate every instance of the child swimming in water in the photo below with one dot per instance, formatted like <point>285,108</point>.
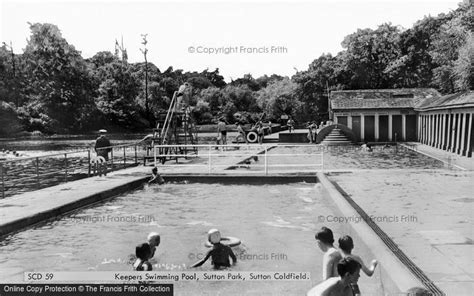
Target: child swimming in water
<point>156,178</point>
<point>219,253</point>
<point>142,252</point>
<point>154,240</point>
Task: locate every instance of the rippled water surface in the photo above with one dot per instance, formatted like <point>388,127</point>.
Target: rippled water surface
<point>276,224</point>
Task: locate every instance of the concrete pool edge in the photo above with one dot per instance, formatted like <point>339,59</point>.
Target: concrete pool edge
<point>66,208</point>
<point>400,276</point>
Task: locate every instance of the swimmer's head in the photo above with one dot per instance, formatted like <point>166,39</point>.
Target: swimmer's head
<point>346,244</point>
<point>154,170</point>
<point>154,239</point>
<point>348,269</point>
<point>324,236</point>
<point>214,236</point>
<point>143,251</point>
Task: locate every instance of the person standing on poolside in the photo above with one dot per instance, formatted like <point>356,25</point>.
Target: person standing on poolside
<point>241,132</point>
<point>290,123</point>
<point>102,145</point>
<point>325,240</point>
<point>222,131</point>
<point>260,132</point>
<point>102,148</point>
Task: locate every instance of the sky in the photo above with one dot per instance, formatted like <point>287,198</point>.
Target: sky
<point>238,37</point>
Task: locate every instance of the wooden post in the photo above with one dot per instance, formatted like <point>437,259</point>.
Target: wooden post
<point>3,180</point>
<point>209,161</point>
<point>266,162</point>
<point>89,161</point>
<point>124,157</point>
<point>37,172</point>
<point>66,164</point>
<point>111,160</point>
<point>136,159</point>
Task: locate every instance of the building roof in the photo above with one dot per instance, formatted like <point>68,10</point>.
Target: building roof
<point>381,98</point>
<point>462,99</point>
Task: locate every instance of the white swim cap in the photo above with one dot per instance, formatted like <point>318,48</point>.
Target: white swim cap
<point>154,237</point>
<point>214,236</point>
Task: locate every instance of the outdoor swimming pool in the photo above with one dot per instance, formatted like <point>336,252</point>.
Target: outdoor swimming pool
<point>342,158</point>
<point>276,224</point>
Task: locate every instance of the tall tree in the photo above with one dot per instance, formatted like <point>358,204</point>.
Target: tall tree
<point>58,85</point>
<point>368,53</point>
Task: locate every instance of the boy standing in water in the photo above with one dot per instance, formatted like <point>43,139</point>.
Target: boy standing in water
<point>346,245</point>
<point>156,177</point>
<point>342,285</point>
<point>219,253</point>
<point>325,240</point>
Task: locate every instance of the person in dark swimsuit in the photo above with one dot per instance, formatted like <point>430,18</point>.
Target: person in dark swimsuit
<point>143,252</point>
<point>222,131</point>
<point>156,177</point>
<point>219,253</point>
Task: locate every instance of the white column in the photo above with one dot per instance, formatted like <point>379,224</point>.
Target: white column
<point>459,135</point>
<point>469,131</point>
<point>335,119</point>
<point>377,132</point>
<point>423,129</point>
<point>427,125</point>
<point>448,136</point>
<point>437,129</point>
<point>349,121</point>
<point>429,130</point>
<point>390,127</point>
<point>453,131</point>
<point>462,128</point>
<point>362,127</point>
<point>433,130</point>
<point>443,132</point>
<point>404,127</point>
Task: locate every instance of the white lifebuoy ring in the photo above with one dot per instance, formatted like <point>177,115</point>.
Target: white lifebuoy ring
<point>226,241</point>
<point>252,137</point>
<point>98,159</point>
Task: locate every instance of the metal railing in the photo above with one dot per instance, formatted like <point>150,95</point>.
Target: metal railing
<point>31,173</point>
<point>246,157</point>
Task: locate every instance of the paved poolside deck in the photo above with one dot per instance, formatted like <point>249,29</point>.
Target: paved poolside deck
<point>462,162</point>
<point>429,216</point>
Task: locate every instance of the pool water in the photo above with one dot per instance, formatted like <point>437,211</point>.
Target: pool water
<point>276,224</point>
<point>317,157</point>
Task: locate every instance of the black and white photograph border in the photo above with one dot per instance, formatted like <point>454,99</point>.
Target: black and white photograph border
<point>196,147</point>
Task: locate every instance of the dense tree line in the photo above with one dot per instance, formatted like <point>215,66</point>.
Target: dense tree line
<point>50,87</point>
